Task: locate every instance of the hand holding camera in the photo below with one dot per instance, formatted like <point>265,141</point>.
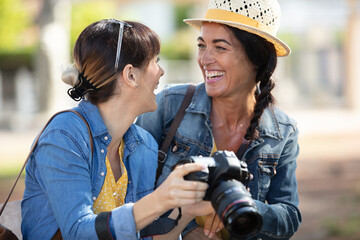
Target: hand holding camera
<point>176,192</point>
<point>226,176</point>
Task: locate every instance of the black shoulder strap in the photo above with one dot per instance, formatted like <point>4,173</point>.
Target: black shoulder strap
<point>174,125</point>
<point>33,147</point>
<point>164,225</point>
<point>240,152</point>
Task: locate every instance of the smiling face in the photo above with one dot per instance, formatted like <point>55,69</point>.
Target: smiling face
<point>148,83</point>
<point>225,66</point>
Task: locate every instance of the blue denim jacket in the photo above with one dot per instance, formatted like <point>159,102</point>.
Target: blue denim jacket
<point>271,158</point>
<point>63,179</point>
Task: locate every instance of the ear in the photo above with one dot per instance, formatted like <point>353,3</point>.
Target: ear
<point>131,75</point>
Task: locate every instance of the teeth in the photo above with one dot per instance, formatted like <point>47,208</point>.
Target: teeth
<point>213,74</point>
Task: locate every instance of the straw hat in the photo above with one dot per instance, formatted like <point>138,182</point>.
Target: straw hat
<point>260,17</point>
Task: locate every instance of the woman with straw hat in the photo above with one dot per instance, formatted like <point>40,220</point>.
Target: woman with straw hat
<point>234,110</point>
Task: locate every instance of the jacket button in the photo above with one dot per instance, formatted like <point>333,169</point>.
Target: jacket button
<point>175,148</point>
<point>106,138</point>
<point>102,150</point>
<point>94,198</point>
<point>102,173</point>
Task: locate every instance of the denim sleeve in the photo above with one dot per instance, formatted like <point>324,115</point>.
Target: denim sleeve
<point>122,222</point>
<point>281,215</point>
<point>63,173</point>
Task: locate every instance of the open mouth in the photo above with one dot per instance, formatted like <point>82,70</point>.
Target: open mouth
<point>155,88</point>
<point>213,76</point>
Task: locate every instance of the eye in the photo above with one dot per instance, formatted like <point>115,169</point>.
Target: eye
<point>200,45</point>
<point>220,48</point>
<point>158,59</point>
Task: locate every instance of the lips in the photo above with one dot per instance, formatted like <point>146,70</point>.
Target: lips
<point>213,76</point>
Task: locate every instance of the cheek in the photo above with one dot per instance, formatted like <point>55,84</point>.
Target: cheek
<point>199,57</point>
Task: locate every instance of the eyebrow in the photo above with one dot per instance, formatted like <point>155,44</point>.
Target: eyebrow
<point>215,41</point>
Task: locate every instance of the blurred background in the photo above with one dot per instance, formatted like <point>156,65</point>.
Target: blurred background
<point>317,85</point>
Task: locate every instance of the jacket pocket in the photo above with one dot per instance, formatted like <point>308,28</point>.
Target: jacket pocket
<point>179,148</point>
<point>266,171</point>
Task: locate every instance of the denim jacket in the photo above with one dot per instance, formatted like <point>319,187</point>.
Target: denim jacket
<point>271,158</point>
<point>63,178</point>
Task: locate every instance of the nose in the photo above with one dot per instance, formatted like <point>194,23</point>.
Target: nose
<point>206,57</point>
<point>161,71</point>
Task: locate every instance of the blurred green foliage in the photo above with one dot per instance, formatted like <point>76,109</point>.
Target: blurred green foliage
<point>86,12</point>
<point>17,24</point>
<point>182,11</point>
<point>181,44</point>
<point>14,21</point>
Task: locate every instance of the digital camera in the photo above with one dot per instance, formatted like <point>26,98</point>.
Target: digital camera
<point>226,176</point>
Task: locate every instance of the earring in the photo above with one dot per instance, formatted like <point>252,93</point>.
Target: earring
<point>136,85</point>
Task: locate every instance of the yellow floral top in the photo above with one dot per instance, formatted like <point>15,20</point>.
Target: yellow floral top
<point>112,193</point>
<point>223,234</point>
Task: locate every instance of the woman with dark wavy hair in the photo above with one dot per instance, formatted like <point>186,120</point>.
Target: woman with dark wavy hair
<point>233,109</point>
<point>102,186</point>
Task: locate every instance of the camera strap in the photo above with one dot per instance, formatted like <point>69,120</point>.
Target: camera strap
<point>173,127</point>
<point>241,151</point>
<point>160,226</point>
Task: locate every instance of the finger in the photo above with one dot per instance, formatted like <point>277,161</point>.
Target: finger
<point>187,168</point>
<point>208,224</point>
<point>194,185</point>
<point>185,202</point>
<point>220,227</point>
<point>215,225</point>
<point>198,195</point>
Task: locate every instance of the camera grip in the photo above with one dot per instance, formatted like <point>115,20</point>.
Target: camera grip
<point>201,176</point>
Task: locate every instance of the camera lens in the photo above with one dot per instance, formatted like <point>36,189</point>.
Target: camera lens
<point>244,221</point>
<point>236,208</point>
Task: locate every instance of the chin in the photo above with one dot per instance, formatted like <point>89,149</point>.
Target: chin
<point>211,91</point>
<point>153,108</point>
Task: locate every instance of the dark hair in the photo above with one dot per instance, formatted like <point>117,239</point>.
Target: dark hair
<point>95,53</point>
<point>263,56</point>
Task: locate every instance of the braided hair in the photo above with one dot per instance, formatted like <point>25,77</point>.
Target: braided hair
<point>263,56</point>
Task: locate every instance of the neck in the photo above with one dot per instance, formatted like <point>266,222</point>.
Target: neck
<point>233,112</point>
<point>118,114</point>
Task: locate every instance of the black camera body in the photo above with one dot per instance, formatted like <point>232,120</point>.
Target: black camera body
<point>222,165</point>
<point>226,176</point>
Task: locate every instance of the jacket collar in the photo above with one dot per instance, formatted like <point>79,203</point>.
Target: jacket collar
<point>201,103</point>
<point>92,115</point>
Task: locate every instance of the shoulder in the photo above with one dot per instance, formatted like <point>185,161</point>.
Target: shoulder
<point>143,136</point>
<point>66,122</point>
<point>173,94</point>
<point>283,118</point>
<point>277,124</point>
<point>175,89</point>
<point>66,131</point>
<point>178,89</point>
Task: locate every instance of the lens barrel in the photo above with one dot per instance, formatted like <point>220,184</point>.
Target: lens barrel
<point>236,209</point>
